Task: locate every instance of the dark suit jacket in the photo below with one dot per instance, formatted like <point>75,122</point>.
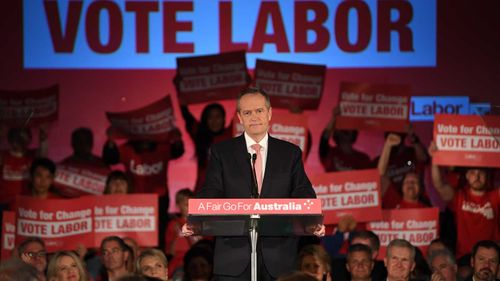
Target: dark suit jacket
<point>229,176</point>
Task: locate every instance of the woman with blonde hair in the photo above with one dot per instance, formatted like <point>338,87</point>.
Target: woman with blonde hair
<point>66,266</point>
<point>152,263</point>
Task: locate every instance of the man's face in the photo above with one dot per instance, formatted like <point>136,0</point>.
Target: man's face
<point>485,264</point>
<point>444,268</point>
<point>360,265</point>
<point>42,179</point>
<point>399,263</point>
<point>36,255</point>
<point>254,115</point>
<point>367,243</point>
<point>476,179</point>
<point>113,256</point>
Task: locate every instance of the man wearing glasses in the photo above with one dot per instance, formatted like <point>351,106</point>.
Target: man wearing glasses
<point>32,251</point>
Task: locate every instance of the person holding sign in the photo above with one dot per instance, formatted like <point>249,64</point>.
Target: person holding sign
<point>209,130</point>
<point>42,172</point>
<point>342,157</point>
<point>229,176</point>
<point>411,193</point>
<point>476,207</point>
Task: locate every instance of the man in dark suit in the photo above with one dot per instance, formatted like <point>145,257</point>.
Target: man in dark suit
<point>485,259</point>
<point>229,176</point>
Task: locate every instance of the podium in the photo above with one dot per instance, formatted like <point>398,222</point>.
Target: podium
<point>254,217</point>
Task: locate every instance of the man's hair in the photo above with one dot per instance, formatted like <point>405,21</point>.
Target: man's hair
<point>359,248</point>
<point>488,244</point>
<point>253,91</point>
<point>45,163</point>
<point>401,243</point>
<point>117,239</point>
<point>369,235</point>
<point>22,246</point>
<point>441,253</point>
<point>316,251</point>
<point>118,175</point>
<point>81,136</point>
<point>184,193</point>
<point>150,253</point>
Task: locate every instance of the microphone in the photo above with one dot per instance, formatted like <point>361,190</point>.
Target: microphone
<point>255,189</point>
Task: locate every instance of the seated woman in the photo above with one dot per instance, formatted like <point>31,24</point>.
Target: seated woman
<point>66,266</point>
<point>152,263</point>
<point>315,261</point>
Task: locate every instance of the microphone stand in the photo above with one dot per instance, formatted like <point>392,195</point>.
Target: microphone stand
<point>254,220</point>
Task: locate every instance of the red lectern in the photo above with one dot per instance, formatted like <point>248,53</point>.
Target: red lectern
<point>254,217</point>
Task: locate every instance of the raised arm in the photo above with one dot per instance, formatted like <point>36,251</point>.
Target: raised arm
<point>445,191</point>
<point>327,134</point>
<point>43,145</point>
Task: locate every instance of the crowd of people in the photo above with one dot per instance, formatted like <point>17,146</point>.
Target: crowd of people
<point>470,252</point>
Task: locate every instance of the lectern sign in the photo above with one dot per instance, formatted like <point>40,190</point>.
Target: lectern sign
<point>285,206</point>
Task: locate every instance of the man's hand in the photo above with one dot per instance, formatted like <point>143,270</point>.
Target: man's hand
<point>187,230</point>
<point>319,230</point>
<point>393,140</point>
<point>437,277</point>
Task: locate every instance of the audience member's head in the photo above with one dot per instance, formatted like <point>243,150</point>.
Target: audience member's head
<point>118,183</point>
<point>198,264</point>
<point>485,260</point>
<point>360,262</point>
<point>32,251</point>
<point>19,139</point>
<point>213,118</point>
<point>412,187</point>
<point>152,263</point>
<point>181,200</point>
<point>436,245</point>
<point>477,179</point>
<point>368,238</point>
<point>115,254</point>
<point>42,172</point>
<point>342,137</point>
<point>66,266</point>
<point>443,264</point>
<point>314,260</point>
<point>399,260</point>
<point>15,269</point>
<point>82,141</point>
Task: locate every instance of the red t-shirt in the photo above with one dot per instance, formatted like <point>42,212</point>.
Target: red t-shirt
<point>403,204</point>
<point>15,175</point>
<point>147,170</point>
<point>477,218</point>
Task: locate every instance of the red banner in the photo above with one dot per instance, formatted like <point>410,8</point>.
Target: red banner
<point>267,206</point>
<point>284,126</point>
<point>417,226</point>
<point>467,140</point>
<point>73,180</point>
<point>8,234</point>
<point>355,193</point>
<point>213,77</point>
<point>291,85</point>
<point>29,108</point>
<point>65,223</point>
<point>153,121</point>
<point>373,107</point>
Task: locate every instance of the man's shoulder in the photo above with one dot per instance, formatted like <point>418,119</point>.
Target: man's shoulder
<point>282,144</point>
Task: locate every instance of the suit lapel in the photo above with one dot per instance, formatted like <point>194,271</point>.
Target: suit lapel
<point>243,162</point>
<point>270,164</point>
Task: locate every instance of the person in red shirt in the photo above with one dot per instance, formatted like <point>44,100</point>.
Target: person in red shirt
<point>146,164</point>
<point>42,173</point>
<point>16,161</point>
<point>476,206</point>
<point>176,244</point>
<point>342,157</point>
<point>406,190</point>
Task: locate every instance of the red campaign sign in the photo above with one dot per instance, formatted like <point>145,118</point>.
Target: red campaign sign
<point>154,121</point>
<point>29,108</point>
<point>134,216</point>
<point>240,206</point>
<point>467,140</point>
<point>380,107</point>
<point>284,126</point>
<point>213,77</point>
<point>73,180</point>
<point>65,223</point>
<point>417,226</point>
<point>291,85</point>
<point>355,193</point>
<point>8,234</point>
